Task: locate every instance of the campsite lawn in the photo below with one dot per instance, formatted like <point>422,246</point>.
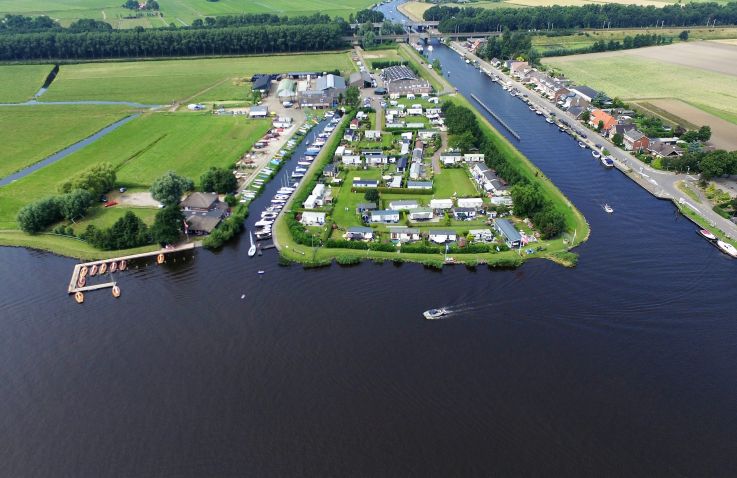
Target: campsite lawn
<point>19,83</point>
<point>168,81</point>
<point>31,133</point>
<point>142,150</point>
<point>452,181</point>
<point>104,217</point>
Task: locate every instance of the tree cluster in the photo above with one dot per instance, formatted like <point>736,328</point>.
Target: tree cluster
<point>710,164</point>
<point>218,180</point>
<point>169,188</point>
<point>637,41</point>
<point>37,216</point>
<point>98,180</point>
<point>363,16</point>
<point>128,231</point>
<point>454,19</point>
<point>134,5</point>
<point>509,45</point>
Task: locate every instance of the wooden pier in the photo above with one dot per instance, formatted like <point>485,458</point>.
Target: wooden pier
<point>74,281</point>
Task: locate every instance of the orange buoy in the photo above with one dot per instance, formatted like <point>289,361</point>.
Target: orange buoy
<point>83,271</point>
<point>103,268</point>
<point>113,266</point>
<point>160,258</point>
<point>116,291</point>
<point>79,297</point>
<point>123,265</point>
<point>81,282</point>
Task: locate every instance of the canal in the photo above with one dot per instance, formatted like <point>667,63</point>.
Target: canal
<point>623,365</point>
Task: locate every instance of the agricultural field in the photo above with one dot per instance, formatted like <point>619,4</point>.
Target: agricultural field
<point>143,150</point>
<point>19,83</point>
<point>659,73</point>
<point>170,81</point>
<point>31,133</point>
<point>180,12</point>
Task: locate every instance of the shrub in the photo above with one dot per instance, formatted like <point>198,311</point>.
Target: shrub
<point>97,180</point>
<point>35,217</point>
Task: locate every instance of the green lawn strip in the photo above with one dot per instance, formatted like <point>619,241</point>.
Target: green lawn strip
<point>454,180</point>
<point>142,150</point>
<point>168,81</point>
<point>104,217</point>
<point>18,83</point>
<point>31,134</point>
<point>65,245</point>
<point>689,192</point>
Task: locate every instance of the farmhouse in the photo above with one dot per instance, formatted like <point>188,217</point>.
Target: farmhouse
<point>323,92</point>
<point>404,234</point>
<point>635,140</point>
<point>359,233</point>
<point>510,235</point>
<point>441,236</point>
<point>386,216</point>
<point>401,80</point>
<point>403,204</point>
<point>312,218</point>
<point>420,214</point>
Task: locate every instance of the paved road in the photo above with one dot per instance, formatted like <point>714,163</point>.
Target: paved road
<point>662,184</point>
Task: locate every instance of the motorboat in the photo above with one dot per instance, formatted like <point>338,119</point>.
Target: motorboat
<point>300,170</point>
<point>608,208</point>
<point>581,145</point>
<point>550,120</point>
<point>727,248</point>
<point>264,222</point>
<point>260,236</point>
<point>252,249</point>
<point>278,201</point>
<point>607,162</point>
<point>538,112</point>
<point>707,234</point>
<point>433,314</point>
<point>298,175</point>
<point>269,215</point>
<point>595,154</point>
<point>304,163</point>
<point>281,196</point>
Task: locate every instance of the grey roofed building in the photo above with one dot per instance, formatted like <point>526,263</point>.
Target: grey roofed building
<point>359,232</point>
<point>330,81</point>
<point>261,82</point>
<point>419,184</point>
<point>301,74</point>
<point>399,72</point>
<point>403,204</point>
<point>366,206</point>
<point>362,79</point>
<point>402,164</point>
<point>203,222</point>
<point>200,201</point>
<point>633,134</point>
<point>365,183</point>
<point>620,129</point>
<point>576,111</point>
<point>511,235</point>
<point>401,80</point>
<point>585,92</point>
<point>329,170</point>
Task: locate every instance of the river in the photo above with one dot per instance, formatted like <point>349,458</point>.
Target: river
<point>621,366</point>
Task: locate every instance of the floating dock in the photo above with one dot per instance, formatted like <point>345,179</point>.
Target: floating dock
<point>74,281</point>
<point>496,117</point>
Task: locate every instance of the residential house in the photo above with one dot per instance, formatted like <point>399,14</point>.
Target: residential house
<point>419,184</point>
<point>404,234</point>
<point>395,182</point>
<point>463,213</point>
<point>330,171</point>
<point>203,212</point>
<point>372,134</point>
<point>402,164</point>
<point>352,159</point>
<point>661,149</point>
<point>584,92</point>
<point>495,62</point>
<point>635,140</point>
<point>385,216</point>
<point>365,183</point>
<point>449,158</point>
<point>359,233</point>
<point>501,201</point>
<point>355,123</point>
<point>600,116</point>
<point>416,171</point>
<point>441,236</point>
<point>202,202</point>
<point>518,69</point>
<point>473,157</point>
<point>441,204</point>
<point>620,128</point>
<point>511,236</point>
<point>476,203</point>
<point>403,204</point>
<point>313,218</point>
<point>349,135</point>
<point>481,235</point>
<point>420,214</point>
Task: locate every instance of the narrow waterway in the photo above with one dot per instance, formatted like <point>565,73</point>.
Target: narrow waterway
<point>621,366</point>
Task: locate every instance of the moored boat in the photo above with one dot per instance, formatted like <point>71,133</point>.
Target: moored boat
<point>727,248</point>
<point>81,282</point>
<point>595,154</point>
<point>160,258</point>
<point>123,265</point>
<point>93,270</point>
<point>607,162</point>
<point>707,234</point>
<point>79,297</point>
<point>435,313</point>
<point>103,268</point>
<point>116,291</point>
<point>581,145</point>
<point>113,267</point>
<point>83,271</point>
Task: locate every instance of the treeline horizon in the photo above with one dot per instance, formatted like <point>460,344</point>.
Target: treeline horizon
<point>594,16</point>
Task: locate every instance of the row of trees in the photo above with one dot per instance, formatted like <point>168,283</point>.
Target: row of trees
<point>134,5</point>
<point>529,199</point>
<point>509,45</point>
<point>38,216</point>
<point>64,44</point>
<point>98,180</point>
<point>455,19</point>
<point>628,42</point>
<point>710,164</point>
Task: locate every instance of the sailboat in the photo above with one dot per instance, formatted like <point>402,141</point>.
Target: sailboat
<point>252,249</point>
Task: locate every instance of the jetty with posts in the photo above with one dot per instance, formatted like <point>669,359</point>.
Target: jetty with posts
<point>74,281</point>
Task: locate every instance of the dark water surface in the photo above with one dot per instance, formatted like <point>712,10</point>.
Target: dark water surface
<point>623,366</point>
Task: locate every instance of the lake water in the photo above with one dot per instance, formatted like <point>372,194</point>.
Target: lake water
<point>624,365</point>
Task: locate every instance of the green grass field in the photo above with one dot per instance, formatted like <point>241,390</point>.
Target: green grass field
<point>637,78</point>
<point>142,150</point>
<point>104,217</point>
<point>19,83</point>
<point>168,81</point>
<point>453,181</point>
<point>180,12</point>
<point>31,133</point>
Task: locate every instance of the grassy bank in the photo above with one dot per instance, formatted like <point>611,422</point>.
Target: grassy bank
<point>19,83</point>
<point>65,246</point>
